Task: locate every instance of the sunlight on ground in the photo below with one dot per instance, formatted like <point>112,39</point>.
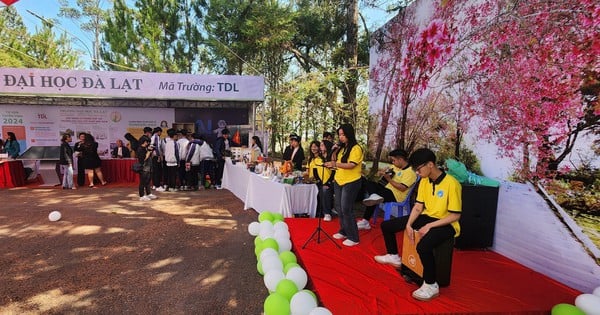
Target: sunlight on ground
<point>165,262</point>
<point>52,300</point>
<point>162,277</point>
<point>212,279</point>
<point>95,229</point>
<point>213,223</point>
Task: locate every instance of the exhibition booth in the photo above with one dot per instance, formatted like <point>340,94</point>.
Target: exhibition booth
<point>40,105</point>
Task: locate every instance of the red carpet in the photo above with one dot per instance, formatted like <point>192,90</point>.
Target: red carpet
<point>349,281</point>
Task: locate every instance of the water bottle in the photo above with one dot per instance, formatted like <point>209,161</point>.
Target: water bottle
<point>207,181</point>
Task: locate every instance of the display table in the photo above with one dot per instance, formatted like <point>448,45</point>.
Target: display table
<point>119,170</point>
<point>262,194</point>
<point>235,179</point>
<point>12,174</point>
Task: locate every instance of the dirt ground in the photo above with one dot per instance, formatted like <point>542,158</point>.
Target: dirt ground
<point>184,253</point>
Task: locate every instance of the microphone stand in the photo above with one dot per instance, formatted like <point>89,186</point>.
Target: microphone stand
<point>320,230</point>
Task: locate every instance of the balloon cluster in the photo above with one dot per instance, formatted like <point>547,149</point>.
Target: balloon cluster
<point>283,276</point>
<point>585,304</point>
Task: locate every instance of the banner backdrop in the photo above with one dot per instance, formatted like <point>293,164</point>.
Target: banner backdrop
<point>141,85</point>
<point>43,125</point>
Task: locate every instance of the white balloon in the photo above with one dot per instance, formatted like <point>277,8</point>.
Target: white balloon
<point>320,311</point>
<point>281,233</point>
<point>54,216</point>
<point>284,244</point>
<point>266,225</point>
<point>254,228</point>
<point>268,252</point>
<point>298,275</point>
<point>265,233</point>
<point>302,303</point>
<point>597,291</point>
<point>280,226</point>
<point>272,278</point>
<point>588,303</point>
<point>271,263</point>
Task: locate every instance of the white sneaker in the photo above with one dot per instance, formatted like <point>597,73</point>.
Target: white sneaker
<point>327,217</point>
<point>145,198</point>
<point>374,199</point>
<point>161,189</point>
<point>363,224</point>
<point>151,196</point>
<point>426,292</point>
<point>349,243</point>
<point>389,259</point>
<point>339,236</point>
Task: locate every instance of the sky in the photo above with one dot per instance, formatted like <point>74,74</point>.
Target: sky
<point>48,9</point>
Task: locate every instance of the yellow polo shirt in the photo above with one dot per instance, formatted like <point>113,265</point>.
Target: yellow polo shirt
<point>316,165</point>
<point>441,197</point>
<point>344,176</point>
<point>405,176</point>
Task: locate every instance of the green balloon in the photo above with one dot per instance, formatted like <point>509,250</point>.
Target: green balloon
<point>277,217</point>
<point>276,304</point>
<point>566,309</point>
<point>276,220</point>
<point>286,288</point>
<point>265,216</point>
<point>257,240</point>
<point>259,268</point>
<point>287,257</point>
<point>258,249</point>
<point>289,266</point>
<point>311,293</point>
<point>270,243</point>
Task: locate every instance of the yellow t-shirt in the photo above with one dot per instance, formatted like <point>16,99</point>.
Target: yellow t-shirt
<point>404,176</point>
<point>441,198</point>
<point>344,176</point>
<point>316,164</point>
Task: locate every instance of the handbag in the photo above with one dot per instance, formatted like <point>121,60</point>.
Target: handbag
<point>137,167</point>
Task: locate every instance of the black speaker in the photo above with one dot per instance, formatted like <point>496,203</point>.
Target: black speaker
<point>478,218</point>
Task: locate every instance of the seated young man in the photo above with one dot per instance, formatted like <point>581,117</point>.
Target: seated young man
<point>434,216</point>
<point>397,182</point>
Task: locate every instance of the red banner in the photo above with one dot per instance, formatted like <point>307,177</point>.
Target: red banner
<point>8,2</point>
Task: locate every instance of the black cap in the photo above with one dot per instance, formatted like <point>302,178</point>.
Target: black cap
<point>295,137</point>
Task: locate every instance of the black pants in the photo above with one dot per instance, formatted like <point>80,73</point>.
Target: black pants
<point>219,171</point>
<point>431,240</point>
<point>144,186</point>
<point>191,176</point>
<point>80,173</point>
<point>172,176</point>
<point>377,188</point>
<point>181,172</point>
<point>156,171</point>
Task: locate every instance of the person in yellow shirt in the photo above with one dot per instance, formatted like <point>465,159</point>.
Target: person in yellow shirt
<point>394,186</point>
<point>347,183</point>
<point>434,216</point>
<point>322,175</point>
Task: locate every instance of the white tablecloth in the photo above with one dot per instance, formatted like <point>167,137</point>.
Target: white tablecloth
<point>265,195</point>
<point>235,179</point>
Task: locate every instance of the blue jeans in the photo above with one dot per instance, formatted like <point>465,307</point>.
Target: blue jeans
<point>326,195</point>
<point>345,196</point>
<point>67,171</point>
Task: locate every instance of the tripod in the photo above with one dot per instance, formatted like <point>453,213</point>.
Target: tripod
<point>320,230</point>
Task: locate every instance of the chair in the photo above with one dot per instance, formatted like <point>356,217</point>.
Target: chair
<point>403,207</point>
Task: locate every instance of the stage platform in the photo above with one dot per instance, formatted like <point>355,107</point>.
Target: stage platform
<point>348,280</point>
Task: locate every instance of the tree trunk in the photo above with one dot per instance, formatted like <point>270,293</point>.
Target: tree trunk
<point>348,115</point>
